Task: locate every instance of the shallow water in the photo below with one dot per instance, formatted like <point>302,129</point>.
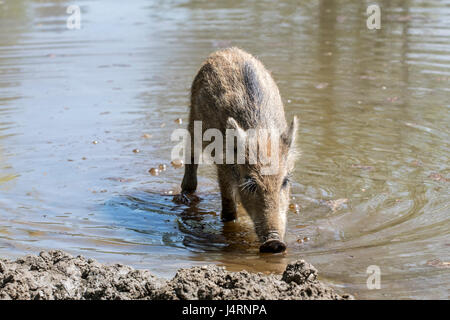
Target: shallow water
<point>372,182</point>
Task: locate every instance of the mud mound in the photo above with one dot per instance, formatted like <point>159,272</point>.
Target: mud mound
<point>58,275</point>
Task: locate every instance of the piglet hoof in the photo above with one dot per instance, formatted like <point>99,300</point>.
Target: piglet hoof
<point>187,199</point>
<point>272,246</point>
<point>182,198</point>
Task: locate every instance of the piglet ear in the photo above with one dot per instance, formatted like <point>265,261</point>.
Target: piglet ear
<point>291,132</point>
<point>240,133</point>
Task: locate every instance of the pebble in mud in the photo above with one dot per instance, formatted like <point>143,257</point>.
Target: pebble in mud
<point>294,208</point>
<point>179,121</point>
<point>136,150</point>
<point>146,136</point>
<point>95,142</point>
<point>303,240</point>
<point>154,171</point>
<point>162,167</point>
<point>178,163</point>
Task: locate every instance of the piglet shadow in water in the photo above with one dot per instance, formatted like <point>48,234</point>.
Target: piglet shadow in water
<point>156,219</point>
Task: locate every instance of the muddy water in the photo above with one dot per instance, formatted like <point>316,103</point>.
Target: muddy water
<point>372,185</point>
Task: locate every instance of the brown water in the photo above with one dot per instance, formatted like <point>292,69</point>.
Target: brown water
<point>372,183</point>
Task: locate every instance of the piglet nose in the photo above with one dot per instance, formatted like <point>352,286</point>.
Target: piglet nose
<point>272,246</point>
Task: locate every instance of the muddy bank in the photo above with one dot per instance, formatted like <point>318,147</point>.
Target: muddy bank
<point>58,275</point>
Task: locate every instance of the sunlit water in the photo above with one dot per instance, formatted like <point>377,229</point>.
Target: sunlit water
<point>372,183</point>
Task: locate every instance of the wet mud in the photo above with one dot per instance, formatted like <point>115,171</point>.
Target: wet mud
<point>58,275</point>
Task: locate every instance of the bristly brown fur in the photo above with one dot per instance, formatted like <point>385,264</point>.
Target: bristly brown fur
<point>232,84</point>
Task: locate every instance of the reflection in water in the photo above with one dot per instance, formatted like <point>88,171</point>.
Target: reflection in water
<point>372,183</point>
<point>158,221</point>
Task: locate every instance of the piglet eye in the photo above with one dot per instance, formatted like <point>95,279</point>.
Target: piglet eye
<point>286,181</point>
